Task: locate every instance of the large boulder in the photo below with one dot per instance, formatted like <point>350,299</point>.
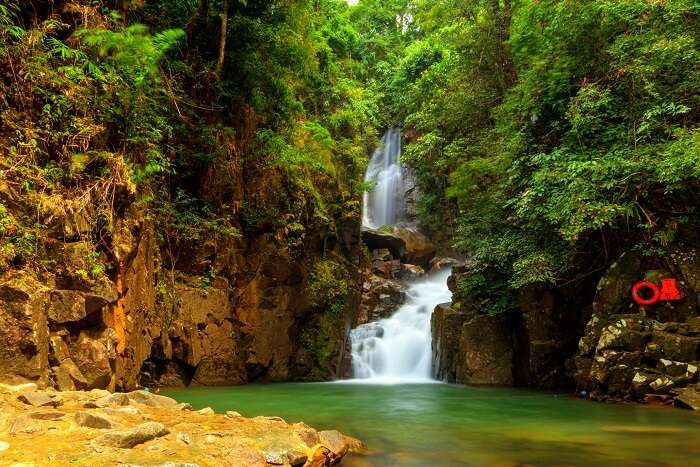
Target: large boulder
<point>379,240</point>
<point>419,249</point>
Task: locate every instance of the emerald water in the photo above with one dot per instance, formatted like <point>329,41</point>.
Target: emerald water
<point>449,425</point>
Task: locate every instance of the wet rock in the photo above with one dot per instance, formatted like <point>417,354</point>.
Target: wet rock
<point>91,420</point>
<point>661,384</point>
<point>152,400</point>
<point>40,399</point>
<point>321,457</point>
<point>307,434</point>
<point>130,438</point>
<point>46,415</point>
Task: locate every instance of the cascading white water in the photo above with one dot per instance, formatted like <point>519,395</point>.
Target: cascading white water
<point>398,348</point>
<point>384,204</point>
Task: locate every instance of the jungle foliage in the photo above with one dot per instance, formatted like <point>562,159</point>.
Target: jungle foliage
<point>550,135</point>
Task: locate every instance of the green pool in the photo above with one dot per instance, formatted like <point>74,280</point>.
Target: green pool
<point>448,425</point>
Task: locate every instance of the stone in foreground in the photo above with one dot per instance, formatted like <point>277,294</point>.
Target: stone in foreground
<point>130,438</point>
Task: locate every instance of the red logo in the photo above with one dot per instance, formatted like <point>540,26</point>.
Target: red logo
<point>648,293</point>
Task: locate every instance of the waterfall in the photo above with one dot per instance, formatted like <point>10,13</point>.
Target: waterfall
<point>398,348</point>
<point>383,205</point>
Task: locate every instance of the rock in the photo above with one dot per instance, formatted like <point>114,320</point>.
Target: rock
<point>130,438</point>
<point>24,424</point>
<point>152,400</point>
<point>438,264</point>
<point>232,414</point>
<point>446,327</point>
<point>23,329</point>
<point>688,398</point>
<point>321,457</point>
<point>674,347</point>
<point>409,272</point>
<point>40,399</point>
<point>296,458</point>
<point>419,249</point>
<point>379,240</point>
<point>93,353</point>
<point>206,411</point>
<point>112,400</point>
<point>46,415</point>
<point>245,457</point>
<point>67,306</point>
<point>92,420</point>
<point>335,441</point>
<point>68,376</point>
<point>184,438</point>
<point>486,351</point>
<point>661,384</point>
<point>386,269</point>
<point>275,457</point>
<point>5,446</point>
<point>307,434</point>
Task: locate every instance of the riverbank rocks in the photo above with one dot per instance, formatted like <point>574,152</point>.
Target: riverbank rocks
<point>157,434</point>
<point>637,353</point>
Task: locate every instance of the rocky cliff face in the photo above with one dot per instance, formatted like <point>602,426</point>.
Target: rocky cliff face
<point>223,313</point>
<point>612,349</point>
<point>643,353</point>
<point>526,348</point>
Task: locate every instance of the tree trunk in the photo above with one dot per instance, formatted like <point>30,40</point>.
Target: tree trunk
<point>222,39</point>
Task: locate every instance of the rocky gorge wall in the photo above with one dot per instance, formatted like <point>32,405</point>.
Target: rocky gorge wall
<point>603,345</point>
<point>224,313</point>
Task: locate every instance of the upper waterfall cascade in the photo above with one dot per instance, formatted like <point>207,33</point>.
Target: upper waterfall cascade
<point>384,204</point>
